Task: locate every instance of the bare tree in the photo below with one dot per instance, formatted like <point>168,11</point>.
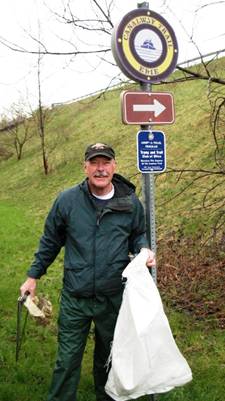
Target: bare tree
<point>41,120</point>
<point>42,116</point>
<point>18,127</point>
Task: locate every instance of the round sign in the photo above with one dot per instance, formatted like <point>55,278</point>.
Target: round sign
<point>144,46</point>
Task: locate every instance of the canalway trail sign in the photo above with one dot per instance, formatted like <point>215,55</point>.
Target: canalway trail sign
<point>144,46</point>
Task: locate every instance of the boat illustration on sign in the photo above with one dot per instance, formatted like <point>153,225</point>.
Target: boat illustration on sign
<point>148,45</point>
<point>148,50</point>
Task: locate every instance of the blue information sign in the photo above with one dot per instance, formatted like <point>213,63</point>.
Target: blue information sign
<point>151,151</point>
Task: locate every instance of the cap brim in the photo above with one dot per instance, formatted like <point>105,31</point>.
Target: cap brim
<point>99,154</point>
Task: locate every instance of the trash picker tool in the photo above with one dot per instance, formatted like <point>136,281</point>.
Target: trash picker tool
<point>20,330</point>
<point>34,311</point>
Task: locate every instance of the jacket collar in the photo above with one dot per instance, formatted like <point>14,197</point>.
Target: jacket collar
<point>122,186</point>
<point>122,200</point>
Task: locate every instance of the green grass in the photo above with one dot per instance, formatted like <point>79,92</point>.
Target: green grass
<point>203,346</point>
<point>26,195</point>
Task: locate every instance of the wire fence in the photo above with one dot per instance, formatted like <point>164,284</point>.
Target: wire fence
<point>120,85</point>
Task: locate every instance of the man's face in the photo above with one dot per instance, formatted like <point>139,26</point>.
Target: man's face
<point>99,171</point>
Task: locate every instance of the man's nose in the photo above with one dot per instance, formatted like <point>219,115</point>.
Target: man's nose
<point>100,167</point>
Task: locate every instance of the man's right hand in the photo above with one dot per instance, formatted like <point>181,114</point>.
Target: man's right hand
<point>28,286</point>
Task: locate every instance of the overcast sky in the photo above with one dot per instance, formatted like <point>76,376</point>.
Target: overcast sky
<point>64,78</point>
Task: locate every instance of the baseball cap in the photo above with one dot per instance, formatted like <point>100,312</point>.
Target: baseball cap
<point>99,149</point>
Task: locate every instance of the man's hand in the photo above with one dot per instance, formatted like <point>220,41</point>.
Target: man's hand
<point>151,259</point>
<point>30,286</point>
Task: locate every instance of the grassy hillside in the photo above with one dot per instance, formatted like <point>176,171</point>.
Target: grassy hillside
<point>71,128</point>
<point>182,222</point>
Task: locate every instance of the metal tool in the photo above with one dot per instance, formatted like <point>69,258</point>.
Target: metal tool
<point>20,330</point>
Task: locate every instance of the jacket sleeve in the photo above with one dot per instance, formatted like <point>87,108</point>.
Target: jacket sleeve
<point>51,242</point>
<point>137,239</point>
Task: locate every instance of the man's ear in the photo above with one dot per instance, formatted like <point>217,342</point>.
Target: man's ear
<point>85,167</point>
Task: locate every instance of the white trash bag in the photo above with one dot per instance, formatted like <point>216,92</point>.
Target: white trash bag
<point>144,356</point>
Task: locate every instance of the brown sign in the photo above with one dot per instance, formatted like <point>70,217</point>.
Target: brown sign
<point>147,108</point>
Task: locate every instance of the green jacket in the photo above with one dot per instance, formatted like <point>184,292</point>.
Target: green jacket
<point>97,241</point>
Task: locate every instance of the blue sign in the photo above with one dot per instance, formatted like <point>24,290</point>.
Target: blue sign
<point>151,151</point>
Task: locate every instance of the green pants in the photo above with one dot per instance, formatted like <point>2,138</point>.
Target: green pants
<point>75,317</point>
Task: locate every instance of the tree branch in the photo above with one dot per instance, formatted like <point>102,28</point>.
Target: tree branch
<point>19,49</point>
<point>201,76</point>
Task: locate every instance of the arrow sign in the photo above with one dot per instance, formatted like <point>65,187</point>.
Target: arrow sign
<point>157,108</point>
<point>147,108</point>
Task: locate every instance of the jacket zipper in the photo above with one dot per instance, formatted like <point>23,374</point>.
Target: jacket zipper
<point>99,217</point>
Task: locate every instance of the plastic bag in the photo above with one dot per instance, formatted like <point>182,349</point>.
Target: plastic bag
<point>144,356</point>
<point>40,308</point>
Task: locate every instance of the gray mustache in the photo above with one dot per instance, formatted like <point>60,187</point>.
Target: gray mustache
<point>101,174</point>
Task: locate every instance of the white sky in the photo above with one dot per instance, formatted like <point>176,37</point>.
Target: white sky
<point>64,80</point>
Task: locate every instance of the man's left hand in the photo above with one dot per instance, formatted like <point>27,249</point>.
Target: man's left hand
<point>151,259</point>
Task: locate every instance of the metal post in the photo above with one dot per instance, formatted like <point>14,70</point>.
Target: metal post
<point>148,186</point>
<point>148,193</point>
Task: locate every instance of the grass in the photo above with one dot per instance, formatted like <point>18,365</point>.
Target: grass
<point>26,195</point>
<point>203,346</point>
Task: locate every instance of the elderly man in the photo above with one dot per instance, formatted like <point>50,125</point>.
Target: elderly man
<point>99,222</point>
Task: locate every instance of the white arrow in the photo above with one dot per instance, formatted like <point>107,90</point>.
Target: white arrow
<point>157,107</point>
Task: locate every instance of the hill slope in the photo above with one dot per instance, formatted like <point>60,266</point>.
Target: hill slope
<point>190,145</point>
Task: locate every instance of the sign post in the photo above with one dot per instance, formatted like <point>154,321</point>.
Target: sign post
<point>145,48</point>
<point>148,194</point>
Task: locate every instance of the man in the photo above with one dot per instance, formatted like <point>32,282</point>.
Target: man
<point>99,222</point>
